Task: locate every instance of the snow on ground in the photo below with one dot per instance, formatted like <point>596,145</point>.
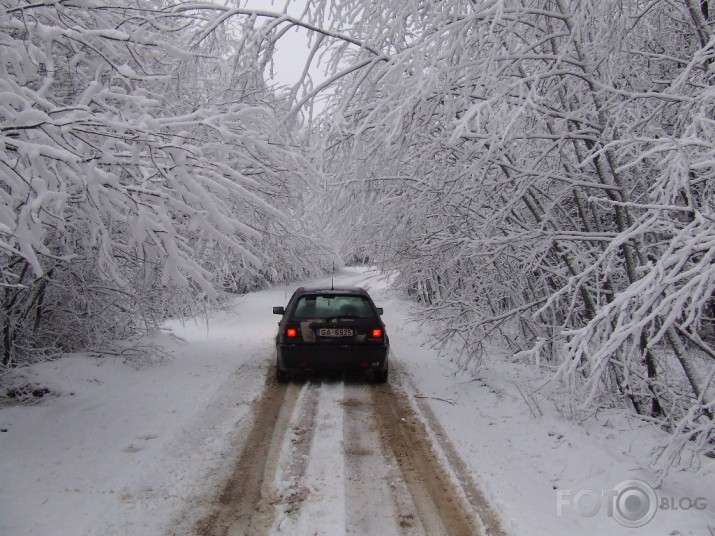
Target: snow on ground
<point>119,450</point>
<point>124,450</point>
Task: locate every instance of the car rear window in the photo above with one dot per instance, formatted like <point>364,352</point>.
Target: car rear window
<point>332,305</point>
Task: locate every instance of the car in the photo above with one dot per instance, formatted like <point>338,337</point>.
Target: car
<point>331,329</point>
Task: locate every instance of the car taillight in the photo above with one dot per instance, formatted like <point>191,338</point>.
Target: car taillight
<point>291,333</point>
<point>377,333</point>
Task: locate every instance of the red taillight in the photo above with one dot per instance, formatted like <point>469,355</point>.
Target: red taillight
<point>291,333</point>
<point>377,333</point>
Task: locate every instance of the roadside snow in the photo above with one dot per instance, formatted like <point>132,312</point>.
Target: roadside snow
<point>118,450</point>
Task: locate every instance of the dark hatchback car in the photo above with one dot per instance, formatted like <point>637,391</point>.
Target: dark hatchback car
<point>333,329</point>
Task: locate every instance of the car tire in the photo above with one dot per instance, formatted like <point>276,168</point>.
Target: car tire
<point>283,376</point>
<point>380,375</point>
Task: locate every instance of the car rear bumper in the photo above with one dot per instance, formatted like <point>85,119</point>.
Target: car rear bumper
<point>332,357</point>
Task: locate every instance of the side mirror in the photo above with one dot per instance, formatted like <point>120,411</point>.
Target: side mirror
<point>279,311</point>
<point>379,311</point>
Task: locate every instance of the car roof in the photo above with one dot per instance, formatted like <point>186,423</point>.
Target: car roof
<point>331,290</point>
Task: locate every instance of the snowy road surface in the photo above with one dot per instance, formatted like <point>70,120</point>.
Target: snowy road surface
<point>334,457</point>
<point>207,443</point>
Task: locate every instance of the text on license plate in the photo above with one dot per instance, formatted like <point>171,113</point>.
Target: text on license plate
<point>335,332</point>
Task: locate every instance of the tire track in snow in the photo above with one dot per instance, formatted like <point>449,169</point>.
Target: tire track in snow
<point>243,507</point>
<point>289,485</point>
<point>488,518</point>
<point>323,511</point>
<point>440,507</point>
<point>378,500</point>
<point>340,458</point>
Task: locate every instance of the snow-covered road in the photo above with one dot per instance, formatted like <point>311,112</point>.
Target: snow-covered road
<point>115,450</point>
<point>331,457</point>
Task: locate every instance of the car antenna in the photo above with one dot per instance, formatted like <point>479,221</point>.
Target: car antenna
<point>332,284</point>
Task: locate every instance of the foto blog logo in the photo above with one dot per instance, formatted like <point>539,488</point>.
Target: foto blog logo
<point>632,503</point>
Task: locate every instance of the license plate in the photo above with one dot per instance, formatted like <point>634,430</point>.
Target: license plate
<point>335,332</point>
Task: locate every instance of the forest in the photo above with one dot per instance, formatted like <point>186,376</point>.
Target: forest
<point>539,175</point>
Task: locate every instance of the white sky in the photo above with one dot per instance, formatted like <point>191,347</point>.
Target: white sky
<point>292,50</point>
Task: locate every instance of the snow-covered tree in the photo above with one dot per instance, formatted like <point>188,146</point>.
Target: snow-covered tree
<point>144,166</point>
